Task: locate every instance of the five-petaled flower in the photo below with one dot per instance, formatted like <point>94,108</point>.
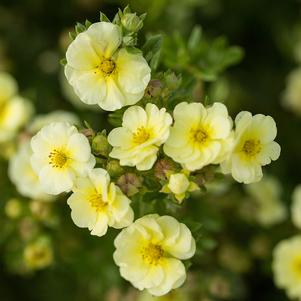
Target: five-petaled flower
<point>103,73</point>
<point>137,142</point>
<point>149,253</point>
<point>60,154</point>
<point>199,136</point>
<point>253,147</point>
<point>96,203</point>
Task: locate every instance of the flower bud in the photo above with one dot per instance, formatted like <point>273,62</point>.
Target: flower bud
<point>154,88</point>
<point>163,168</point>
<point>40,209</point>
<point>28,228</point>
<point>131,22</point>
<point>100,145</point>
<point>88,132</point>
<point>38,254</point>
<point>179,185</point>
<point>129,183</point>
<point>220,287</point>
<point>13,208</point>
<point>114,169</point>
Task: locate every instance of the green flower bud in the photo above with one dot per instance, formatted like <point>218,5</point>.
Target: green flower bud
<point>131,22</point>
<point>100,145</point>
<point>114,169</point>
<point>13,208</point>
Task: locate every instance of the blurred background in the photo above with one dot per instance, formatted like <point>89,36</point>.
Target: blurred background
<point>259,74</point>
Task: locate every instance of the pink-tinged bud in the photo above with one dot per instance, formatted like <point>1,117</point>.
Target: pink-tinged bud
<point>129,183</point>
<point>164,168</point>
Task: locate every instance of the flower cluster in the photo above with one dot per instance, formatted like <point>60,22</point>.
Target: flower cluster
<point>156,146</point>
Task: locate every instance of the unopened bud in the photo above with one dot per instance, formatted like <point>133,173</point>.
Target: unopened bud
<point>13,208</point>
<point>129,183</point>
<point>40,209</point>
<point>114,169</point>
<point>154,88</point>
<point>88,132</point>
<point>131,22</point>
<point>100,145</point>
<point>164,168</point>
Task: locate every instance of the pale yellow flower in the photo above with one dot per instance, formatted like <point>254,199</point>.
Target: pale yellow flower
<point>96,203</point>
<point>149,253</point>
<point>179,185</point>
<point>15,110</point>
<point>296,207</point>
<point>20,170</point>
<point>137,142</point>
<point>269,209</point>
<point>60,154</point>
<point>200,136</point>
<point>23,176</point>
<point>287,266</point>
<point>101,72</point>
<point>254,147</point>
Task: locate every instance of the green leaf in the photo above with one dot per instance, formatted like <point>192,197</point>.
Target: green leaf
<point>72,35</point>
<point>133,50</point>
<point>152,50</point>
<point>87,24</point>
<point>233,56</point>
<point>195,38</point>
<point>127,10</point>
<point>63,62</point>
<point>103,18</point>
<point>115,118</point>
<point>79,28</point>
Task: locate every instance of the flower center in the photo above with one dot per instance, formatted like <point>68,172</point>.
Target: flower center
<point>57,158</point>
<point>297,266</point>
<point>200,136</point>
<point>97,202</point>
<point>3,108</point>
<point>251,147</point>
<point>152,253</point>
<point>141,135</point>
<point>107,66</point>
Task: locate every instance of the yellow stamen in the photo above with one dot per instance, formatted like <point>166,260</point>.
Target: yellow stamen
<point>251,147</point>
<point>107,66</point>
<point>297,266</point>
<point>97,202</point>
<point>141,135</point>
<point>57,158</point>
<point>200,136</point>
<point>152,253</point>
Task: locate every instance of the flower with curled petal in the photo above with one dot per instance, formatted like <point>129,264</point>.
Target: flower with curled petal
<point>96,203</point>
